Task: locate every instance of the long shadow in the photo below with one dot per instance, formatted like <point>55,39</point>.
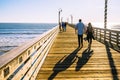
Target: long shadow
<point>113,46</point>
<point>111,62</point>
<point>64,63</point>
<point>83,60</point>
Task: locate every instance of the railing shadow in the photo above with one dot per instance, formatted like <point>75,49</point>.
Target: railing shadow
<point>111,62</point>
<point>113,46</point>
<point>84,59</point>
<point>64,63</point>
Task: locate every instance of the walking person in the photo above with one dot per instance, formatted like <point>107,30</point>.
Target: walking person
<point>63,25</point>
<point>90,36</point>
<point>79,29</point>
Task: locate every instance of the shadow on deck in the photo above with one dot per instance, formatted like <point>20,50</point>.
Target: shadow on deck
<point>66,61</point>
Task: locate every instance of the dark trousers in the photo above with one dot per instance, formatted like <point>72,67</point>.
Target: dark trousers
<point>80,40</point>
<point>90,37</point>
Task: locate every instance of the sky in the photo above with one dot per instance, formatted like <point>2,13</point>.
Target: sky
<point>46,11</point>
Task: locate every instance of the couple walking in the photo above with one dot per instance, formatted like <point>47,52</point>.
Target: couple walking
<point>79,29</point>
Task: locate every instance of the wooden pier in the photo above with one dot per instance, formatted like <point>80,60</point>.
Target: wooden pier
<point>55,55</point>
<point>65,61</point>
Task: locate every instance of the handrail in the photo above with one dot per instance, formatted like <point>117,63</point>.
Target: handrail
<point>112,37</point>
<point>24,62</point>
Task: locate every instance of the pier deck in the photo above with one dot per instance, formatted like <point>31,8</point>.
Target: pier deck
<point>66,62</point>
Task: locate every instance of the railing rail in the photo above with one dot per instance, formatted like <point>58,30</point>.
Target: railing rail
<point>24,62</point>
<point>112,37</point>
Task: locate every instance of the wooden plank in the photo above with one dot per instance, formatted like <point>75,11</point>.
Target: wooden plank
<point>64,62</point>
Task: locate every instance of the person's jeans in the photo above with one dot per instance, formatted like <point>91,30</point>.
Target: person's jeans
<point>80,40</point>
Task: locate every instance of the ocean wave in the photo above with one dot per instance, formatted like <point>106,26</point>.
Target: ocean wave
<point>7,46</point>
<point>22,31</point>
<point>116,27</point>
<point>2,52</point>
<point>19,33</point>
<point>4,49</point>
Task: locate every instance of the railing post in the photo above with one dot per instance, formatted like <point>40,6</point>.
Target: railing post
<point>104,35</point>
<point>117,39</point>
<point>96,33</point>
<point>109,36</point>
<point>100,35</point>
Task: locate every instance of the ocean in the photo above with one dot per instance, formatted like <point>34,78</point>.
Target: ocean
<point>14,34</point>
<point>112,26</point>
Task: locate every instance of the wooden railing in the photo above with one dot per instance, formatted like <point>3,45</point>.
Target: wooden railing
<point>110,36</point>
<point>24,62</point>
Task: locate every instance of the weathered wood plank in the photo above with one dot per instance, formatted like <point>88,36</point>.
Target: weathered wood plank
<point>66,62</point>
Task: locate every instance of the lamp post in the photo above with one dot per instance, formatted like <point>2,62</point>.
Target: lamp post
<point>105,14</point>
<point>60,10</point>
<point>105,19</point>
<point>71,19</point>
